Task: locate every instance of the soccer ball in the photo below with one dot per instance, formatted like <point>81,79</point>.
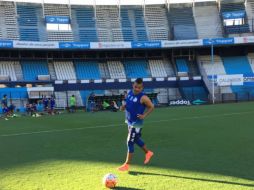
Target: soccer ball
<point>109,180</point>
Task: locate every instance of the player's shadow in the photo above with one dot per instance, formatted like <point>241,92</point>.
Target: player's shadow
<point>136,173</point>
<point>126,188</point>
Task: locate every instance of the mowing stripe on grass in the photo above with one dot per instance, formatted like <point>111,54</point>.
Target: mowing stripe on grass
<point>121,124</point>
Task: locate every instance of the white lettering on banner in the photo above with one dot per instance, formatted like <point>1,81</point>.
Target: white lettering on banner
<point>182,43</point>
<point>110,45</point>
<point>230,80</point>
<point>179,102</point>
<point>36,45</point>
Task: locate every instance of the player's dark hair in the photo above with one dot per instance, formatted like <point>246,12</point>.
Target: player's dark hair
<point>139,81</point>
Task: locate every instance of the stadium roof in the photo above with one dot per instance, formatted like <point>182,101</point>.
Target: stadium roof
<point>110,2</point>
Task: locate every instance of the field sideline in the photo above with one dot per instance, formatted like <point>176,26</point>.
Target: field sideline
<point>200,147</point>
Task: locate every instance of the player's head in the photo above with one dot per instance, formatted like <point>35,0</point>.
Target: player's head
<point>138,86</point>
<point>5,96</point>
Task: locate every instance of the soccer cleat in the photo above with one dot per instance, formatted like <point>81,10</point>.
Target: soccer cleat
<point>124,167</point>
<point>149,155</point>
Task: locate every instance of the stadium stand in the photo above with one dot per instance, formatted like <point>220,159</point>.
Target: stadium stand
<point>210,69</point>
<point>29,16</point>
<point>182,22</point>
<point>84,24</point>
<point>103,22</point>
<point>58,10</point>
<point>136,68</point>
<point>207,20</point>
<point>116,69</point>
<point>250,13</point>
<point>157,68</point>
<point>238,65</point>
<point>251,61</point>
<point>182,65</point>
<point>31,69</point>
<point>169,68</point>
<point>133,25</point>
<point>157,23</point>
<point>104,70</point>
<point>64,70</point>
<point>231,7</point>
<point>7,69</point>
<point>87,70</point>
<point>52,71</point>
<point>8,21</point>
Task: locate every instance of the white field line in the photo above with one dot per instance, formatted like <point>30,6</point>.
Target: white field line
<point>114,125</point>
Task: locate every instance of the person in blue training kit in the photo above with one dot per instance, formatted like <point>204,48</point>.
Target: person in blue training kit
<point>52,105</point>
<point>137,107</point>
<point>4,101</point>
<point>5,112</point>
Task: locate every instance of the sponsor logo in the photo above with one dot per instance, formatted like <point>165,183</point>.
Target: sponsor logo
<point>146,44</point>
<point>6,44</point>
<point>74,45</point>
<point>234,14</point>
<point>179,103</point>
<point>52,19</point>
<point>218,41</point>
<point>198,102</point>
<point>58,19</point>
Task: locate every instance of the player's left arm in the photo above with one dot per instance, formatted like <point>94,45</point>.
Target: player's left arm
<point>149,107</point>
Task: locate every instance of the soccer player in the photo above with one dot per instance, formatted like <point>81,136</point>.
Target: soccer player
<point>45,103</point>
<point>4,101</point>
<point>52,105</point>
<point>138,106</point>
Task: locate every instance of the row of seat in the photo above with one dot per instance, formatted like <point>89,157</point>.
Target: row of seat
<point>103,24</point>
<point>29,70</point>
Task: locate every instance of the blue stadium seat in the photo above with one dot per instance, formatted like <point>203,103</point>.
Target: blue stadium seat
<point>28,18</point>
<point>182,23</point>
<point>239,65</point>
<point>87,70</point>
<point>133,25</point>
<point>136,68</point>
<point>86,24</point>
<point>230,7</point>
<point>31,69</point>
<point>181,65</point>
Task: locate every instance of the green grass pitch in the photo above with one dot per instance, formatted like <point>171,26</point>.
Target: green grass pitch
<point>196,148</point>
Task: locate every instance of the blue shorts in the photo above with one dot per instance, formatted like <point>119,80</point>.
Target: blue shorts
<point>134,134</point>
<point>134,137</point>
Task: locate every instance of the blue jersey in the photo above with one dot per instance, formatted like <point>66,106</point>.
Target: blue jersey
<point>133,108</point>
<point>4,101</point>
<point>5,110</point>
<point>52,103</point>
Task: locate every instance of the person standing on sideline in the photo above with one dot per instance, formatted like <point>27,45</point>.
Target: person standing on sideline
<point>73,104</point>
